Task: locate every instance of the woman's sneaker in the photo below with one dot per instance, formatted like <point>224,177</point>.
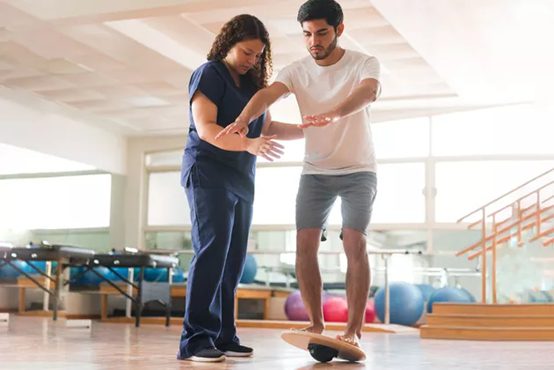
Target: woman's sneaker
<point>235,350</point>
<point>207,355</point>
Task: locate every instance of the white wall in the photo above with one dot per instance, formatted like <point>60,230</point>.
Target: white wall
<point>135,190</point>
<point>34,124</point>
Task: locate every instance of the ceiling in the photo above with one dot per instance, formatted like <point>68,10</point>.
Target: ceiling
<point>127,62</point>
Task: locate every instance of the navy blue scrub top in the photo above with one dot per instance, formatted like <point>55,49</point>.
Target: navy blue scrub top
<point>206,165</point>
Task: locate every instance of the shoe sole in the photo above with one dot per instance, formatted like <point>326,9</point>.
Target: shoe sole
<point>237,354</point>
<point>206,359</point>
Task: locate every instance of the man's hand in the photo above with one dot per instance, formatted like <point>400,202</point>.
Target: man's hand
<point>319,120</point>
<point>264,146</point>
<point>238,127</point>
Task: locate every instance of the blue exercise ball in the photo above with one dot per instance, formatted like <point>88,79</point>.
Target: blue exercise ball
<point>469,295</point>
<point>89,278</point>
<point>426,291</point>
<point>249,271</point>
<point>448,294</point>
<point>7,272</point>
<point>406,303</point>
<point>155,274</point>
<point>539,296</point>
<point>178,275</point>
<point>123,271</point>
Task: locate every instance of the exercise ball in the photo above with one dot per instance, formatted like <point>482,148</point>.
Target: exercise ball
<point>123,271</point>
<point>406,303</point>
<point>335,309</point>
<point>7,272</point>
<point>249,271</point>
<point>294,307</point>
<point>426,291</point>
<point>369,312</point>
<point>89,278</point>
<point>448,294</point>
<point>178,275</point>
<point>155,274</point>
<point>539,296</point>
<point>469,295</point>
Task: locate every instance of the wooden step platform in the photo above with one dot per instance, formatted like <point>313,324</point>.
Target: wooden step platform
<point>494,309</point>
<point>494,322</point>
<point>490,320</point>
<point>487,333</point>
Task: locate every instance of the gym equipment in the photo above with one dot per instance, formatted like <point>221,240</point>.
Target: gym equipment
<point>335,309</point>
<point>448,294</point>
<point>294,307</point>
<point>406,304</point>
<point>145,291</point>
<point>62,256</point>
<point>369,312</point>
<point>426,291</point>
<point>249,271</point>
<point>323,348</point>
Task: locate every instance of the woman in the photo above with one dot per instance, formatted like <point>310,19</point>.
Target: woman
<point>218,177</point>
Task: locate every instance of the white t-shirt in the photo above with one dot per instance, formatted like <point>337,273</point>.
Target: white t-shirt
<point>345,146</point>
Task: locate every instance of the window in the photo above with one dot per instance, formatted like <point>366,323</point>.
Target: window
<point>275,200</point>
<point>167,203</point>
<point>401,139</point>
<point>400,197</point>
<point>517,129</point>
<point>465,186</point>
<point>55,202</point>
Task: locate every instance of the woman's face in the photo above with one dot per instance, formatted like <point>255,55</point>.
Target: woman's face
<point>244,55</point>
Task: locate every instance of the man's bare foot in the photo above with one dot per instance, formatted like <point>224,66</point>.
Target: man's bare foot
<point>317,329</point>
<point>350,339</point>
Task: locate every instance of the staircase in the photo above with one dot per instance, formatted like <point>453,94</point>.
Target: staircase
<point>521,216</point>
<point>494,322</point>
<point>524,214</point>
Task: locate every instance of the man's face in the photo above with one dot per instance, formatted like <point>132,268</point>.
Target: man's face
<point>320,38</point>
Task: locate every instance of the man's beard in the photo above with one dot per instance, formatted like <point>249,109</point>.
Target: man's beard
<point>325,53</point>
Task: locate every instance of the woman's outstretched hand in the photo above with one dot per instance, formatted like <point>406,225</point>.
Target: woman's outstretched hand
<point>266,147</point>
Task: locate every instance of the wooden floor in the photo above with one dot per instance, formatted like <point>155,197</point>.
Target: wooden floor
<point>31,343</point>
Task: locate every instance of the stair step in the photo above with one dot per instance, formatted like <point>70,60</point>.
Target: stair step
<point>487,333</point>
<point>544,309</point>
<point>490,321</point>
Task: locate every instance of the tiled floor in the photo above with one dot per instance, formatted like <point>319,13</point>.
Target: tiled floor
<point>40,343</point>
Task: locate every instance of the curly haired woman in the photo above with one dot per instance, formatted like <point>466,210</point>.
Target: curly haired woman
<point>218,177</point>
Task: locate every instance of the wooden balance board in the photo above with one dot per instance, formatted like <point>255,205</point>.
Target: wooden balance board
<point>323,348</point>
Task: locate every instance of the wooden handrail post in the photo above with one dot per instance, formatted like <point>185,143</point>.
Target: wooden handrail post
<point>493,269</point>
<point>483,257</point>
<point>539,213</point>
<point>519,213</point>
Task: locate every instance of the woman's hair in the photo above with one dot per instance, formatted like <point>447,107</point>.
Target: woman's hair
<point>240,28</point>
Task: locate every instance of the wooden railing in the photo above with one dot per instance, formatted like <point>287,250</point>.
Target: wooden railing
<point>512,218</point>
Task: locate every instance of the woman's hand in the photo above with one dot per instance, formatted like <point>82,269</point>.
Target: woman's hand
<point>266,147</point>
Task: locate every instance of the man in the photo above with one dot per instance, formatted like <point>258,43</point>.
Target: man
<point>333,88</point>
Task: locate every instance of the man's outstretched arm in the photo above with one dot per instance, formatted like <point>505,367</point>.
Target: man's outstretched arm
<point>260,102</point>
<point>364,94</point>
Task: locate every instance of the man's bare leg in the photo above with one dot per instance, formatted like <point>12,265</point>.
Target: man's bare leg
<point>309,277</point>
<point>357,282</point>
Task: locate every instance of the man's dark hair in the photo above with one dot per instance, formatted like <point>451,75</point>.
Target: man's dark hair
<point>329,10</point>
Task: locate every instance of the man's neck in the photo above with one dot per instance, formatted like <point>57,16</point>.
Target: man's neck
<point>333,58</point>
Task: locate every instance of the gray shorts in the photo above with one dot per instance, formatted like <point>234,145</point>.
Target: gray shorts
<point>317,194</point>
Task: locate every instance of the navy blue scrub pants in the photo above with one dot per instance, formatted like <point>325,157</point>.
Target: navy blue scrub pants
<point>220,224</point>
